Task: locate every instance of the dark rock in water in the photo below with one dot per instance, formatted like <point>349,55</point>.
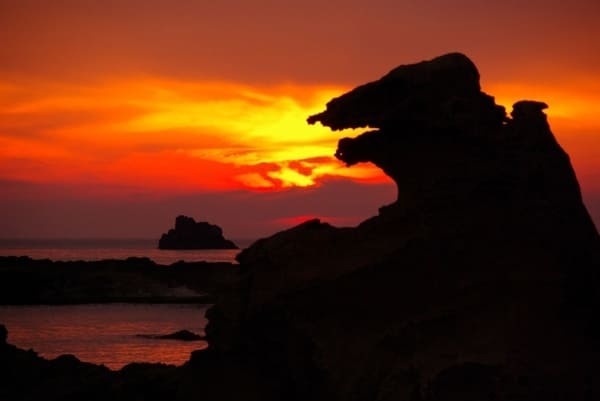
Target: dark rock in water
<point>485,269</point>
<point>182,335</point>
<point>191,235</point>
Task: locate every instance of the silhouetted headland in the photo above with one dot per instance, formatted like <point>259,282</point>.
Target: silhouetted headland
<point>480,282</point>
<point>26,281</point>
<point>189,234</point>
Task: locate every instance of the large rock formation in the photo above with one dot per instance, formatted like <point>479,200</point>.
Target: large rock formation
<point>188,234</point>
<point>480,281</point>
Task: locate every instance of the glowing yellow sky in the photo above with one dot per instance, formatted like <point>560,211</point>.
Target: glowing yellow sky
<point>199,135</point>
<point>214,135</point>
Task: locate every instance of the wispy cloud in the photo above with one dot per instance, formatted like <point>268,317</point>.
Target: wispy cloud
<point>169,133</point>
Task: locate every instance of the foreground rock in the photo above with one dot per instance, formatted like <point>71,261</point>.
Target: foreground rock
<point>188,234</point>
<point>480,282</point>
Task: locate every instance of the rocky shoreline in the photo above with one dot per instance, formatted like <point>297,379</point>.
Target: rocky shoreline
<point>26,281</point>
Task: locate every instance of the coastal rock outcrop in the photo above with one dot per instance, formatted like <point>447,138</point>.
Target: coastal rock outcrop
<point>486,268</point>
<point>189,234</point>
<point>26,281</point>
<point>181,335</point>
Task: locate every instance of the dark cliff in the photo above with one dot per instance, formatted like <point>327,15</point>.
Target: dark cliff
<point>189,234</point>
<point>482,278</point>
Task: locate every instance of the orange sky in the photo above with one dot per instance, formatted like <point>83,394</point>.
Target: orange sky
<point>122,105</point>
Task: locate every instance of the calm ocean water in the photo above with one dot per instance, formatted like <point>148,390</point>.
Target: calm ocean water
<point>98,249</point>
<point>105,334</point>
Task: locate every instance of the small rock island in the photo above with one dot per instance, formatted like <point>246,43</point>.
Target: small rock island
<point>189,234</point>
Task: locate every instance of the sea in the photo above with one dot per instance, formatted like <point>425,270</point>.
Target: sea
<point>114,334</point>
<point>111,248</point>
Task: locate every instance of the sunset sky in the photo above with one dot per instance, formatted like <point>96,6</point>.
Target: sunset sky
<point>116,116</point>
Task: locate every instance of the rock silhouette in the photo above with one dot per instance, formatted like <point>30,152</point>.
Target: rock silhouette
<point>479,282</point>
<point>27,281</point>
<point>189,234</point>
<point>181,335</point>
<point>486,267</point>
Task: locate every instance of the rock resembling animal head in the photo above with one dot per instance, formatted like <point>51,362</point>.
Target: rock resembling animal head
<point>437,97</point>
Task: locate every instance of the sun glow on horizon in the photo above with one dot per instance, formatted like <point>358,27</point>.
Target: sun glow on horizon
<point>170,134</point>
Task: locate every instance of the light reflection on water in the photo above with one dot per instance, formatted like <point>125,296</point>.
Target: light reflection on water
<point>106,333</point>
<point>163,257</point>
